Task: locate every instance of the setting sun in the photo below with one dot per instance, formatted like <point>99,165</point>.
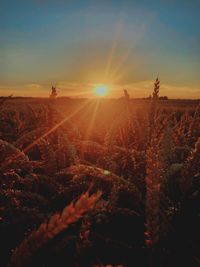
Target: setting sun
<point>100,90</point>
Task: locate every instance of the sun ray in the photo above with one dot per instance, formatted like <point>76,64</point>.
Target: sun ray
<point>117,69</point>
<point>91,124</point>
<point>9,159</point>
<point>96,105</point>
<point>115,72</point>
<point>113,49</point>
<point>55,127</point>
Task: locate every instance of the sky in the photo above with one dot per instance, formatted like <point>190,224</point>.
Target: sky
<point>122,44</point>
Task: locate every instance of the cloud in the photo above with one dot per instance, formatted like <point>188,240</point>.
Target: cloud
<point>180,91</point>
<point>75,89</point>
<point>85,90</point>
<point>135,89</point>
<point>34,85</point>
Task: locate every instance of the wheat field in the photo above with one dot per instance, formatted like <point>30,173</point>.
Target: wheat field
<point>100,182</point>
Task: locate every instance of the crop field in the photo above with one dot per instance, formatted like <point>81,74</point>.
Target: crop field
<point>99,182</point>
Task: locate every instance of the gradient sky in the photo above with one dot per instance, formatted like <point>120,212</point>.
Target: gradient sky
<point>119,43</point>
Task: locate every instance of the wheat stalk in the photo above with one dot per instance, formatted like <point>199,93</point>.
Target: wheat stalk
<point>48,230</point>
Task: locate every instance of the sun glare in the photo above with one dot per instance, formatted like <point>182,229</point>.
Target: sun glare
<point>100,90</point>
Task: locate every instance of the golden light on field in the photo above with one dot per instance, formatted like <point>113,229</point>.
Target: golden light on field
<point>100,90</point>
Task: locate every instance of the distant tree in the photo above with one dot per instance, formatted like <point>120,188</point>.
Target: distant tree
<point>149,97</point>
<point>163,98</point>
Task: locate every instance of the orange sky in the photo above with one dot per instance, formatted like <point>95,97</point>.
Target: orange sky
<point>136,90</point>
<point>123,44</point>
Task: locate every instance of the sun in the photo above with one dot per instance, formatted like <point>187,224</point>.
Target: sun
<point>100,90</point>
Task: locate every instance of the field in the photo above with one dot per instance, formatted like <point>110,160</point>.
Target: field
<point>99,182</point>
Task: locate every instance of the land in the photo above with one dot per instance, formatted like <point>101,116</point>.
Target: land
<point>98,182</point>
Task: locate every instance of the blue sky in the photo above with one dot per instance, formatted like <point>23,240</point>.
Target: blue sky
<point>120,43</point>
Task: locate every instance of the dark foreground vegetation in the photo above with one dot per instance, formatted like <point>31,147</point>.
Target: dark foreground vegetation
<point>99,182</point>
